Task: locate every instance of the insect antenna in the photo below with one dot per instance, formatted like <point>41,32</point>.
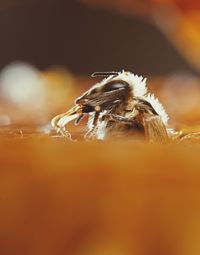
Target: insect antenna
<point>105,74</point>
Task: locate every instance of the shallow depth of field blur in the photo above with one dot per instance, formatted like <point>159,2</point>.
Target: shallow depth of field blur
<point>121,197</point>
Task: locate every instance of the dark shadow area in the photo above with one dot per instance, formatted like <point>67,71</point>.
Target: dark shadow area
<point>83,39</point>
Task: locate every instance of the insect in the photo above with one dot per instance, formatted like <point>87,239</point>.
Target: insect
<point>119,105</point>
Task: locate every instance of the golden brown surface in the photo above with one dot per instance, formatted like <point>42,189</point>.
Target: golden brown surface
<point>124,197</point>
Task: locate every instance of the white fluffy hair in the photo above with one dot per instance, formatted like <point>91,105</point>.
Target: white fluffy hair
<point>139,87</point>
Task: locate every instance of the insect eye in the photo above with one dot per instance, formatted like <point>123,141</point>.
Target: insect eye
<point>115,85</point>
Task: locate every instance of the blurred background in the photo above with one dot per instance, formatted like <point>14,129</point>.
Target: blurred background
<point>87,37</point>
<point>49,48</point>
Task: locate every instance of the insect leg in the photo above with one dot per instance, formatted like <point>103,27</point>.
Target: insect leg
<point>55,122</point>
<point>91,132</point>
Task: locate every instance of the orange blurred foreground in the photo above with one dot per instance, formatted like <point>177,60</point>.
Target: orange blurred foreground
<point>90,198</point>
